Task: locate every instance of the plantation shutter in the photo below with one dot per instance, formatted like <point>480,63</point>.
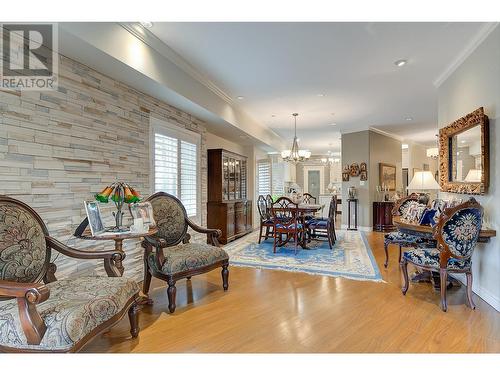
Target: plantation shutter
<point>189,173</point>
<point>264,177</point>
<point>165,163</point>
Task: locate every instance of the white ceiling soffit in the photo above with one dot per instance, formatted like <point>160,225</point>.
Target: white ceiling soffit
<point>481,35</point>
<point>131,55</point>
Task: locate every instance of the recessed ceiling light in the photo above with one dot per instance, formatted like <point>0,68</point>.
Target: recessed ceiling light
<point>333,124</point>
<point>400,63</point>
<point>409,118</point>
<point>321,95</point>
<point>240,97</point>
<point>147,25</point>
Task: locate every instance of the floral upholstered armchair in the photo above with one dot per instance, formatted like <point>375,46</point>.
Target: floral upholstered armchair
<point>170,256</point>
<point>457,233</point>
<point>404,239</point>
<point>40,313</point>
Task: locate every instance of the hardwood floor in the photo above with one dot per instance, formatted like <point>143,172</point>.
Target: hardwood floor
<point>275,311</point>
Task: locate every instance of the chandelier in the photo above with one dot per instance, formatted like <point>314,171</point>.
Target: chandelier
<point>295,155</point>
<point>433,152</point>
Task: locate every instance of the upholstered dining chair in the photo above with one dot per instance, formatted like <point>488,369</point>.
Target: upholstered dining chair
<point>170,256</point>
<point>325,227</point>
<point>265,218</point>
<point>39,313</point>
<point>456,233</point>
<point>404,240</point>
<point>286,223</point>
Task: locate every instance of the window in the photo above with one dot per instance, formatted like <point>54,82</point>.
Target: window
<point>176,164</point>
<point>263,177</point>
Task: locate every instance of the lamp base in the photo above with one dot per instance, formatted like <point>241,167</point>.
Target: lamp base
<point>117,229</point>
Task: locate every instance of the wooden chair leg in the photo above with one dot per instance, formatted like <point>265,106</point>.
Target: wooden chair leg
<point>443,281</point>
<point>399,253</point>
<point>267,232</point>
<point>171,292</point>
<point>274,242</point>
<point>260,232</point>
<point>225,276</point>
<point>133,316</point>
<point>469,290</point>
<point>386,245</point>
<point>404,270</point>
<point>147,278</point>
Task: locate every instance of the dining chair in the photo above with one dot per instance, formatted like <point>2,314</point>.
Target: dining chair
<point>325,227</point>
<point>265,218</point>
<point>404,240</point>
<point>285,217</point>
<point>308,199</point>
<point>269,204</point>
<point>457,233</point>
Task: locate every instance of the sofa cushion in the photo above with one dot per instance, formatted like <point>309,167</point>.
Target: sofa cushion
<point>430,258</point>
<point>187,257</point>
<point>74,308</point>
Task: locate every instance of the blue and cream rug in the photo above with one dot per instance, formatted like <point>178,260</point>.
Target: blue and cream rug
<point>351,257</point>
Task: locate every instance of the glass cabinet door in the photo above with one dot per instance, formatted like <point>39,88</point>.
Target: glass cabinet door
<point>237,179</point>
<point>232,185</point>
<point>243,179</point>
<point>225,178</point>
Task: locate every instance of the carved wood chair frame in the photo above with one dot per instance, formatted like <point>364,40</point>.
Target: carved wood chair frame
<point>155,245</point>
<point>29,294</point>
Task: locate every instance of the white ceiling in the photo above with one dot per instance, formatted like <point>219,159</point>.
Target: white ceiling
<point>281,68</point>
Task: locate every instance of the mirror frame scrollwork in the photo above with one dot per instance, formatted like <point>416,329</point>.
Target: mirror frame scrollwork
<point>445,158</point>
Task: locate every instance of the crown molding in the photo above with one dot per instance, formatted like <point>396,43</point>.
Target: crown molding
<point>154,42</point>
<point>480,36</point>
<point>387,134</point>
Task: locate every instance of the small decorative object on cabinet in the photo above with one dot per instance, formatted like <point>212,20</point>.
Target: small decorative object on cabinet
<point>228,208</point>
<point>382,216</point>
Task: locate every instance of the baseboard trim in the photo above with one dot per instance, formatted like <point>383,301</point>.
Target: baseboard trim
<point>482,293</point>
<point>363,229</point>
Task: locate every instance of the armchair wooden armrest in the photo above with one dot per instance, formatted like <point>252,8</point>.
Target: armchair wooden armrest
<point>212,234</point>
<point>157,242</point>
<point>112,258</point>
<point>28,295</point>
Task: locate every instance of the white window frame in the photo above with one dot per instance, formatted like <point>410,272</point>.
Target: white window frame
<point>269,161</point>
<point>170,130</point>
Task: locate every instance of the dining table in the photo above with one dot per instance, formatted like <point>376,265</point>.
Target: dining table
<point>427,232</point>
<point>303,210</point>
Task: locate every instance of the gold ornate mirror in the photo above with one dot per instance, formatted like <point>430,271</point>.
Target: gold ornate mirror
<point>464,155</point>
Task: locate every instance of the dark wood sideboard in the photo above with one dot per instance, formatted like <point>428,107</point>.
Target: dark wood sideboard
<point>382,216</point>
<point>228,208</point>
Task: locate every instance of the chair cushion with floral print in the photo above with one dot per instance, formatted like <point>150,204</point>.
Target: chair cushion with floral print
<point>169,216</point>
<point>430,258</point>
<point>318,223</point>
<point>22,244</point>
<point>74,308</point>
<point>189,256</point>
<point>461,231</point>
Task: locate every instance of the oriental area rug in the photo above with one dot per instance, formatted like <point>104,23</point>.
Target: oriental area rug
<point>351,256</point>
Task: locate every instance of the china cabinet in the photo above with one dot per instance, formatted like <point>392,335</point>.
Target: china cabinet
<point>228,208</point>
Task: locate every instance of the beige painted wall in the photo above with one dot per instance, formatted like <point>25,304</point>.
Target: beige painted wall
<point>356,149</point>
<point>476,83</point>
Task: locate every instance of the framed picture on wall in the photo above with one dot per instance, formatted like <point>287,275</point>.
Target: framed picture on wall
<point>387,176</point>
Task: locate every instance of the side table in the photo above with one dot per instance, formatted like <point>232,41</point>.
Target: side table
<point>351,201</point>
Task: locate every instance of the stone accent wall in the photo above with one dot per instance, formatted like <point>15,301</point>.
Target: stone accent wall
<point>59,148</point>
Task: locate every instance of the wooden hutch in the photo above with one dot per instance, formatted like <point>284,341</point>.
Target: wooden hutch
<point>228,208</point>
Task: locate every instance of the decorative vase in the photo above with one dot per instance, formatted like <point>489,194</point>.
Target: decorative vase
<point>352,192</point>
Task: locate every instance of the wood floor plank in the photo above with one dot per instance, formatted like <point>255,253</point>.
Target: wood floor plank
<point>277,311</point>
